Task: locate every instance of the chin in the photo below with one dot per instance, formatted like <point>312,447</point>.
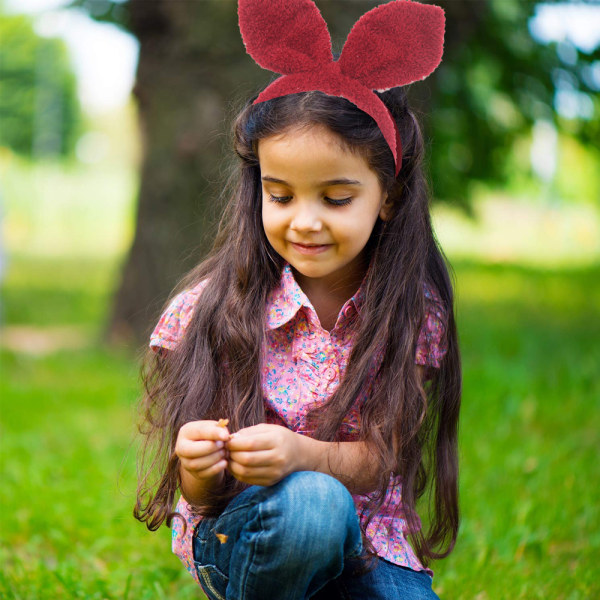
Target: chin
<point>313,271</point>
<point>306,270</point>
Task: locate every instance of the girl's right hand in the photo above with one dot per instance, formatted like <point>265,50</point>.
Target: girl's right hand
<point>201,450</point>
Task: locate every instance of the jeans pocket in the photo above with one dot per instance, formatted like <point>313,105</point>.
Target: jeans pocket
<point>212,581</point>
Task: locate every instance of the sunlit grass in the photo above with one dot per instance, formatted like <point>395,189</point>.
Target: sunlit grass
<point>522,229</point>
<point>47,291</point>
<point>51,209</point>
<point>531,413</point>
<point>69,484</point>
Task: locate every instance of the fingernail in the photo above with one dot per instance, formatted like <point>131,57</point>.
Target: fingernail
<point>220,444</point>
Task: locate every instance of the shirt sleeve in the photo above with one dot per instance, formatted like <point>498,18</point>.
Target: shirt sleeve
<point>432,344</point>
<point>173,322</point>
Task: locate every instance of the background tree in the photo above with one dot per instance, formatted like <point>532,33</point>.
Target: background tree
<point>494,82</point>
<point>40,114</point>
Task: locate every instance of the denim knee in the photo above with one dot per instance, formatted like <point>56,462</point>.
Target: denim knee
<point>313,506</point>
<point>316,493</point>
<point>284,541</point>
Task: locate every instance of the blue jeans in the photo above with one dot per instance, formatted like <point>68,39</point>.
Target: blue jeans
<point>297,539</point>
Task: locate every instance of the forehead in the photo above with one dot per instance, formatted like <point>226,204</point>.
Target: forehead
<point>310,153</point>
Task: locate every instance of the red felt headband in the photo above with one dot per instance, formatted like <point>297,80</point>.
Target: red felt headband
<point>391,45</point>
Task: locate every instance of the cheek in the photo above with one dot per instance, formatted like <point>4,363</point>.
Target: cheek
<point>271,224</point>
<point>266,216</point>
<point>356,231</point>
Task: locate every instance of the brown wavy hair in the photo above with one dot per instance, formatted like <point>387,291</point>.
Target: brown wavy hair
<point>215,370</point>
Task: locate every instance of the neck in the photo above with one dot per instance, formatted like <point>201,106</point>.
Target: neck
<point>338,287</point>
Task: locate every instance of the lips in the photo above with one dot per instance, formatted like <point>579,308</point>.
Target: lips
<point>310,248</point>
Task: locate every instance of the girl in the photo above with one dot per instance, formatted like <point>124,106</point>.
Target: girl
<point>303,390</point>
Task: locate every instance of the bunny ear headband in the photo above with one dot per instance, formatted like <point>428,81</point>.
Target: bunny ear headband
<point>391,45</point>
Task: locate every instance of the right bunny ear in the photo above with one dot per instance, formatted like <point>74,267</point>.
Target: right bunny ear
<point>285,36</point>
<point>394,44</point>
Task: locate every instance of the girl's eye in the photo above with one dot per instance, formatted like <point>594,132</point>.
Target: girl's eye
<point>340,202</point>
<point>280,199</point>
<point>332,201</point>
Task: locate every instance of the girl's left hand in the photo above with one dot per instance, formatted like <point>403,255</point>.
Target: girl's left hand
<point>264,454</point>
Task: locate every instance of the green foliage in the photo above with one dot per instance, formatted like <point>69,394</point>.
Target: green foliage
<point>115,12</point>
<point>494,82</point>
<point>528,443</point>
<point>39,109</point>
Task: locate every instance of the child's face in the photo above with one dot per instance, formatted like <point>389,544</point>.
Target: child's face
<point>317,222</point>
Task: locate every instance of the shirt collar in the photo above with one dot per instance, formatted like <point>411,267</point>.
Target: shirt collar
<point>287,298</point>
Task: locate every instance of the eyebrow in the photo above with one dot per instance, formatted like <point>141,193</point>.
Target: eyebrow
<point>339,181</point>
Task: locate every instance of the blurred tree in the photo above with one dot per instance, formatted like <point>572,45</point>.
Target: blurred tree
<point>39,109</point>
<point>495,81</point>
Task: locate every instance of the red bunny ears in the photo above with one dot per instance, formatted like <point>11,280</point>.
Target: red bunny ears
<point>391,45</point>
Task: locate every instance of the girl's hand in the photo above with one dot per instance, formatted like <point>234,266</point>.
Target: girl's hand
<point>201,450</point>
<point>264,454</point>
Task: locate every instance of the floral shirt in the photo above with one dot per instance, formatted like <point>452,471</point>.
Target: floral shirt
<point>302,368</point>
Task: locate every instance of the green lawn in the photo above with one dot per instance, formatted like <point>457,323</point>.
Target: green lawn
<point>529,443</point>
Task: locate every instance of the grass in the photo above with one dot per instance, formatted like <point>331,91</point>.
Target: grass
<point>529,427</point>
<point>68,451</point>
<point>528,442</point>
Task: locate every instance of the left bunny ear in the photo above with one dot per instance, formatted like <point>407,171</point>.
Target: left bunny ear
<point>394,44</point>
<point>285,36</point>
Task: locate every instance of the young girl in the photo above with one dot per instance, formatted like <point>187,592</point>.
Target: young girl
<point>303,389</point>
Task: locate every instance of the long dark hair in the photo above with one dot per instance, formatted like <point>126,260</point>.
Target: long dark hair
<point>215,370</point>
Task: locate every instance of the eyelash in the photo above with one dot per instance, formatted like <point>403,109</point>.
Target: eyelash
<point>286,199</point>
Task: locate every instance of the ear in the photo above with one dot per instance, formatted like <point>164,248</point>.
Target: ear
<point>385,212</point>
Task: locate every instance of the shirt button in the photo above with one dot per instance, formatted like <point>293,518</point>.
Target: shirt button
<point>330,374</point>
<point>348,310</point>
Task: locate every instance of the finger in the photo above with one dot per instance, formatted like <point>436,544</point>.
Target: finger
<point>191,449</point>
<point>262,458</point>
<point>212,470</point>
<point>204,430</point>
<point>204,462</point>
<point>251,442</point>
<point>244,473</point>
<point>254,429</point>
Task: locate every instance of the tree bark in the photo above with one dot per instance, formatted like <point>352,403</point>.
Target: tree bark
<point>188,66</point>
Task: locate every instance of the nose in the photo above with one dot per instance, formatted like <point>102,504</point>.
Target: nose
<point>306,217</point>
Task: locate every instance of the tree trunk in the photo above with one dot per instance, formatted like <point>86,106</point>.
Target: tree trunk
<point>188,66</point>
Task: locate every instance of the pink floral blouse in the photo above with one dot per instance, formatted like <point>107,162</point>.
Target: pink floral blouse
<point>303,366</point>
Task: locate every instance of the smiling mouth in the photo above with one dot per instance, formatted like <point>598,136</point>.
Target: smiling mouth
<point>310,248</point>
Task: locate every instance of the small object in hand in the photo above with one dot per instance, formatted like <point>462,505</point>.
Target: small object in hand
<point>223,423</point>
<point>222,537</point>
